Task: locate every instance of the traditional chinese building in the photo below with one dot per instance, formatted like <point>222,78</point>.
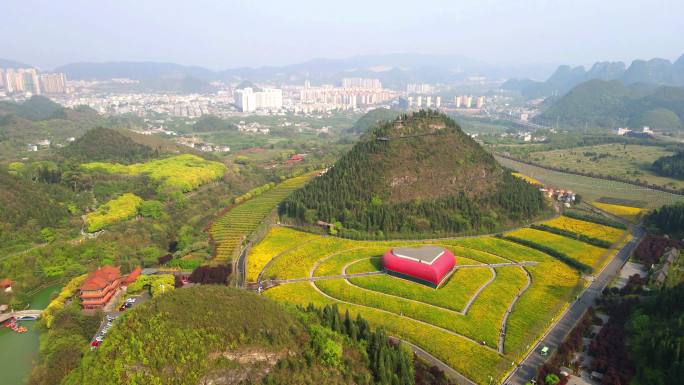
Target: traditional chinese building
<point>100,287</point>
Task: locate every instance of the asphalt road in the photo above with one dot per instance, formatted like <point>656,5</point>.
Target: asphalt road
<point>555,335</point>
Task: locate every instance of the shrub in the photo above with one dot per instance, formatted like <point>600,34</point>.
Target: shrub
<point>217,275</point>
<point>116,210</point>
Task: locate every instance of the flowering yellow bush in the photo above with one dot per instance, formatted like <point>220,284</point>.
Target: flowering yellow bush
<point>526,178</point>
<point>184,172</point>
<point>116,210</point>
<point>68,291</point>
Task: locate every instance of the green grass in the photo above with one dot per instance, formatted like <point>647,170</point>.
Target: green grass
<point>593,189</point>
<point>624,161</point>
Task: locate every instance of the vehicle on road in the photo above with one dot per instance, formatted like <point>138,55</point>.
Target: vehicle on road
<point>544,351</point>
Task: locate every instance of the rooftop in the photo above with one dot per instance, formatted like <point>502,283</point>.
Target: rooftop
<point>101,278</point>
<point>423,254</point>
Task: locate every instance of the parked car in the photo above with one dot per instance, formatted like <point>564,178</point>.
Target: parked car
<point>99,339</point>
<point>95,343</point>
<point>123,308</point>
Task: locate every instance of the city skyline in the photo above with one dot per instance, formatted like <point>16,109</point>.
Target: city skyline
<point>222,36</point>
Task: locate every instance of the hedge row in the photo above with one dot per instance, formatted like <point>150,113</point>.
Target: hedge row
<point>546,249</point>
<point>580,237</point>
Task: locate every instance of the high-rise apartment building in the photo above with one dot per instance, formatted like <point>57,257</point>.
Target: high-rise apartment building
<point>53,83</point>
<point>27,80</point>
<point>419,88</point>
<point>248,100</point>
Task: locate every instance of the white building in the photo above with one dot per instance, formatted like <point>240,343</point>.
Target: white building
<point>247,100</point>
<point>365,83</point>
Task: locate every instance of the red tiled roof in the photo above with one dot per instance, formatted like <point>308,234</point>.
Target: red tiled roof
<point>101,278</point>
<point>132,276</point>
<point>4,283</point>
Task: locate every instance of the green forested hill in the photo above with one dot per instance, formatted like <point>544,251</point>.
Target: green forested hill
<point>418,174</point>
<point>610,104</point>
<point>671,165</point>
<point>31,211</point>
<point>105,144</point>
<point>218,335</point>
<point>35,108</point>
<point>372,118</point>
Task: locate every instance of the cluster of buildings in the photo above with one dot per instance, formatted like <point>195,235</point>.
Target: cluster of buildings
<point>465,102</point>
<point>566,197</point>
<point>30,81</point>
<point>143,104</point>
<point>645,133</point>
<point>419,88</point>
<point>194,142</point>
<point>362,83</point>
<point>354,93</point>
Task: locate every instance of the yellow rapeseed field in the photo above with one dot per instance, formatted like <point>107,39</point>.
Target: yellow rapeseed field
<point>590,229</point>
<point>632,214</point>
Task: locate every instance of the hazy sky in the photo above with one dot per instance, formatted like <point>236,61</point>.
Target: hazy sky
<point>223,34</point>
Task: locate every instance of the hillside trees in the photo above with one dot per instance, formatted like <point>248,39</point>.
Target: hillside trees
<point>419,174</point>
<point>668,219</point>
<point>672,165</point>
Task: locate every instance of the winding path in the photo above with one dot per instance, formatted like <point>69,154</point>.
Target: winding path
<point>313,284</point>
<point>461,312</point>
<point>502,332</point>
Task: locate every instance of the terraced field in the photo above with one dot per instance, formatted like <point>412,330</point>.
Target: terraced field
<point>606,233</point>
<point>583,252</point>
<point>632,214</point>
<point>479,321</point>
<point>231,229</point>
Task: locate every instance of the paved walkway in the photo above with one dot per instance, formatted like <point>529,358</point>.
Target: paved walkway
<point>312,279</point>
<point>555,335</point>
<point>448,370</point>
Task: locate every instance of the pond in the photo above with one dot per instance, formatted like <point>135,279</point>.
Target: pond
<point>18,351</point>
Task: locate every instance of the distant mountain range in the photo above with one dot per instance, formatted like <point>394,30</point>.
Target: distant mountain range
<point>612,104</point>
<point>5,63</point>
<point>394,70</point>
<point>654,71</point>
